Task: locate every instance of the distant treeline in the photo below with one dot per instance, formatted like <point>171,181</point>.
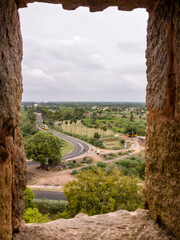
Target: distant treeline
<point>88,104</point>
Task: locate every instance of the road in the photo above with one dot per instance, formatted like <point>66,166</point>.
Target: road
<point>50,195</point>
<point>80,147</point>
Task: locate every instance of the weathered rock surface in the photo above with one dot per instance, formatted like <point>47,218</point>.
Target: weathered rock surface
<point>122,225</point>
<point>162,185</point>
<point>12,160</point>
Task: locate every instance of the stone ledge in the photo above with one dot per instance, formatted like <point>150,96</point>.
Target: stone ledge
<point>120,225</point>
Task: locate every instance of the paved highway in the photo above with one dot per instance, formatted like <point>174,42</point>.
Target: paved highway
<point>49,195</point>
<point>80,147</point>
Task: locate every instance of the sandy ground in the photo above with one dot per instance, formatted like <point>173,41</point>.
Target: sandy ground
<point>42,179</point>
<point>55,180</point>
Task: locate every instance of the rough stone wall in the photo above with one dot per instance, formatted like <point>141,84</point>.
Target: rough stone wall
<point>12,160</point>
<point>162,186</point>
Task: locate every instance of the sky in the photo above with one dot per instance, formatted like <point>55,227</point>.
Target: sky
<point>82,56</point>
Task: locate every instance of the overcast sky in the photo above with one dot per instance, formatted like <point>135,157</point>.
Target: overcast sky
<point>82,56</point>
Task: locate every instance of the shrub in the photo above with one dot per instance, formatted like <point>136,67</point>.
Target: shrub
<point>50,206</point>
<point>74,172</point>
<point>32,215</point>
<point>29,196</point>
<point>87,160</point>
<point>141,170</point>
<point>101,165</point>
<point>97,135</point>
<point>64,214</point>
<point>133,166</point>
<point>120,153</point>
<point>96,192</point>
<point>112,155</point>
<point>122,141</point>
<point>71,165</point>
<point>125,163</point>
<point>87,168</point>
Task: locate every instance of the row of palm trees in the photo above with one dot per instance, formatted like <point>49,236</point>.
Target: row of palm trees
<point>101,130</point>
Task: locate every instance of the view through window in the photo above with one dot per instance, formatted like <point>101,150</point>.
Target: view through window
<point>84,78</point>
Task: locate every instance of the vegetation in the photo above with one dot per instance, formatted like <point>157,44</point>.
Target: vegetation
<point>94,123</point>
<point>101,188</point>
<point>29,196</point>
<point>134,165</point>
<point>44,147</point>
<point>96,142</point>
<point>40,211</point>
<point>51,207</point>
<point>31,213</point>
<point>27,127</point>
<point>96,191</point>
<point>66,147</point>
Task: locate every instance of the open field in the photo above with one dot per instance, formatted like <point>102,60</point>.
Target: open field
<point>81,129</point>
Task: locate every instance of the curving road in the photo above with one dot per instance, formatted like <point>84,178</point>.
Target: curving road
<point>80,147</point>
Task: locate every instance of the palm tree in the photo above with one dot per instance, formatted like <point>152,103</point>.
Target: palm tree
<point>71,121</point>
<point>82,125</point>
<point>105,129</point>
<point>75,121</point>
<point>66,122</point>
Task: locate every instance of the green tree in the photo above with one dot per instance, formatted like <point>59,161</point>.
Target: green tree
<point>75,121</point>
<point>105,129</point>
<point>97,135</point>
<point>25,108</point>
<point>122,141</point>
<point>44,147</point>
<point>96,191</point>
<point>31,115</point>
<point>51,122</point>
<point>131,117</point>
<point>66,122</point>
<point>71,121</point>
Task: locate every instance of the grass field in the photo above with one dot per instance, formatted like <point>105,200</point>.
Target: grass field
<point>80,129</point>
<point>114,143</point>
<point>66,148</point>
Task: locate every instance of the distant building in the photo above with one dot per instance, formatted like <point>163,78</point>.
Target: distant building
<point>36,105</point>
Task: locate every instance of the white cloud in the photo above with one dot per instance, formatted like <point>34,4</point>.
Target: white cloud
<point>83,56</point>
